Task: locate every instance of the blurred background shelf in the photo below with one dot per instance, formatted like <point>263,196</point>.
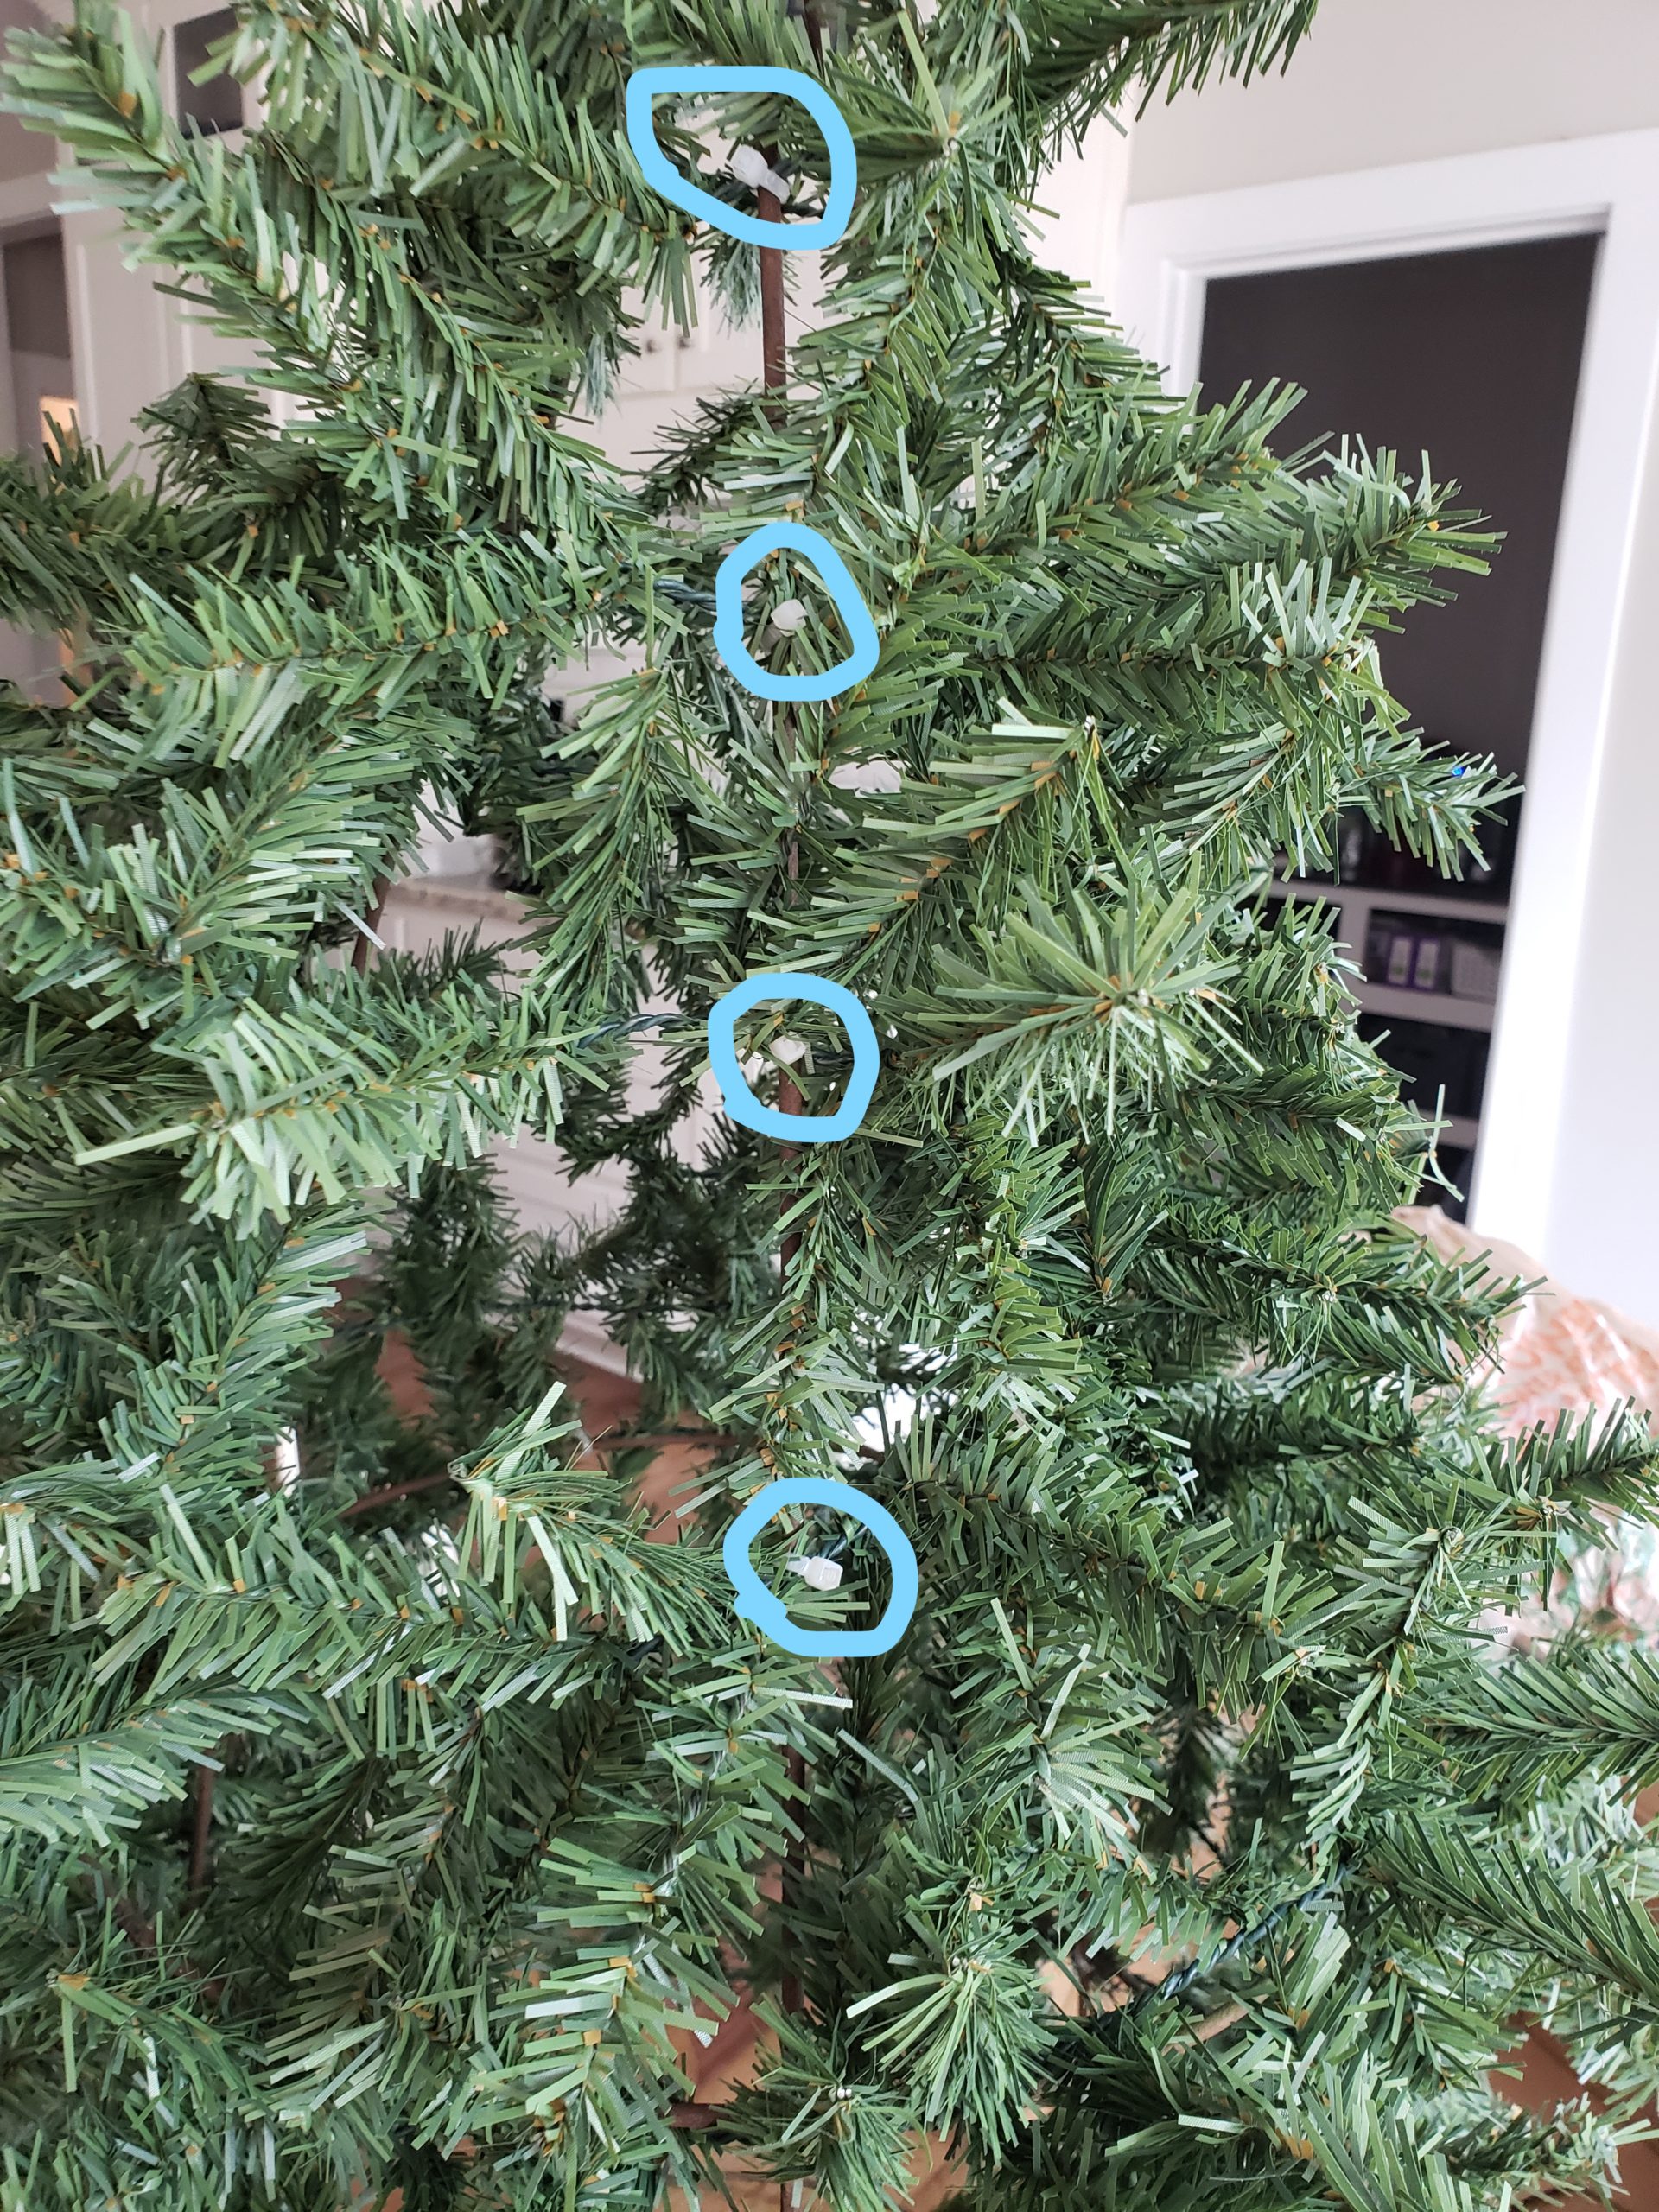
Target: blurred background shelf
<point>1359,899</point>
<point>1437,1006</point>
<point>1429,955</point>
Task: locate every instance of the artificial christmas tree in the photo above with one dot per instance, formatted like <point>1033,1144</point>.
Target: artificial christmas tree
<point>385,1799</point>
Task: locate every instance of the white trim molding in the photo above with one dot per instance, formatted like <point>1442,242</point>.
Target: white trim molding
<point>26,203</point>
<point>1608,186</point>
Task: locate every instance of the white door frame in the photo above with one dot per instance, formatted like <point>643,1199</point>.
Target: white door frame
<point>1605,185</point>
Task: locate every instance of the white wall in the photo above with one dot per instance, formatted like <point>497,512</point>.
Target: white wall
<point>131,343</point>
<point>1382,82</point>
<point>21,152</point>
<point>1082,199</point>
<point>1605,1218</point>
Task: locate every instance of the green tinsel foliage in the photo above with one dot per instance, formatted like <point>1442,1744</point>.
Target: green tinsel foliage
<point>386,1799</point>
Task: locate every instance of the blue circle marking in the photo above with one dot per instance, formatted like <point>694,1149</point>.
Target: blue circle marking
<point>794,537</point>
<point>741,1102</point>
<point>668,183</point>
<point>756,1603</point>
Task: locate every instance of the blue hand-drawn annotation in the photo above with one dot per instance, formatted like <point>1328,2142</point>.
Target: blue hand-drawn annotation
<point>741,1102</point>
<point>756,1603</point>
<point>866,646</point>
<point>668,183</point>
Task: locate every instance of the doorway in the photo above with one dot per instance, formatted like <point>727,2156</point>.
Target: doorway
<point>1473,357</point>
<point>1570,1073</point>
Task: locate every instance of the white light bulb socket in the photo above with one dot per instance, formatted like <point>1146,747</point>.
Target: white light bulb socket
<point>750,166</point>
<point>818,1574</point>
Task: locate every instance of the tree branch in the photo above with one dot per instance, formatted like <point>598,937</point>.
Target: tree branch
<point>390,1492</point>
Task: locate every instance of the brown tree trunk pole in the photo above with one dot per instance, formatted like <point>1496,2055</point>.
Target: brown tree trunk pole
<point>774,352</point>
<point>774,336</point>
<point>201,1837</point>
<point>363,950</point>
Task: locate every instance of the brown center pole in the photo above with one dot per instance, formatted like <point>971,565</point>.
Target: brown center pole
<point>774,340</point>
<point>201,1838</point>
<point>363,951</point>
<point>774,352</point>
